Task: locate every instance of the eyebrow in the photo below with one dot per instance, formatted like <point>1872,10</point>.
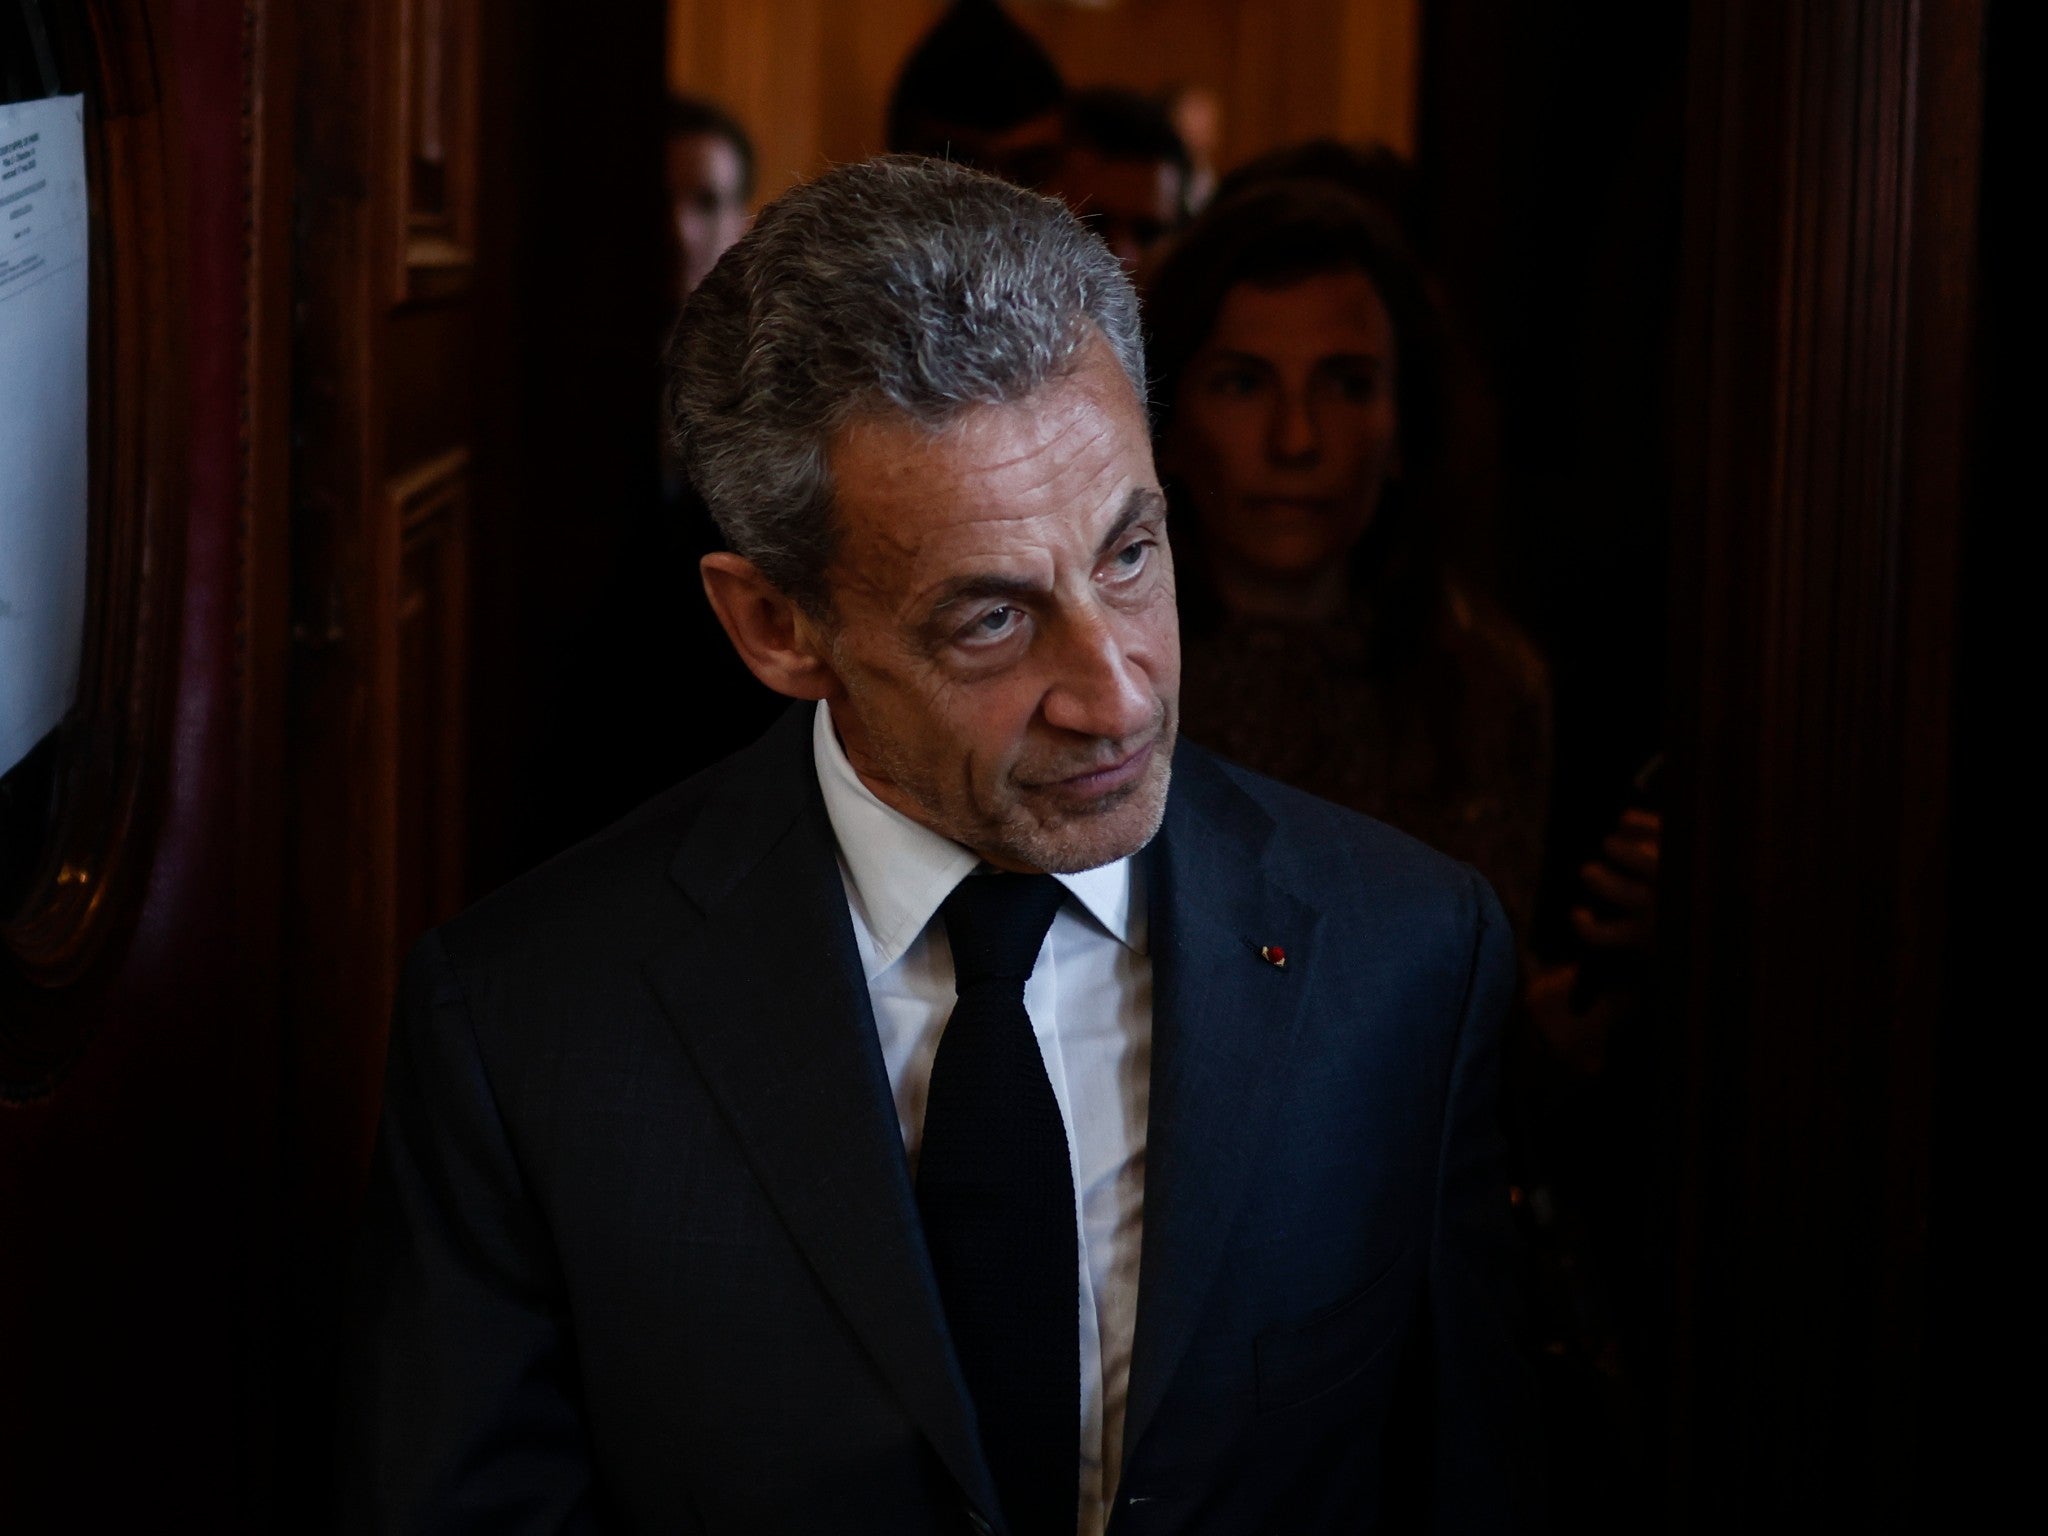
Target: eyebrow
<point>1142,502</point>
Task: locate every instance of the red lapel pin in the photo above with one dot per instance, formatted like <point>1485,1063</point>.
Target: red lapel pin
<point>1274,956</point>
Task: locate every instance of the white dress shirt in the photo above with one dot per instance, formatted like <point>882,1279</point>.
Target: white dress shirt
<point>1090,1001</point>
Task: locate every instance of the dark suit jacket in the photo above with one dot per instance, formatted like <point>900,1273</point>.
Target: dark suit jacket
<point>642,1253</point>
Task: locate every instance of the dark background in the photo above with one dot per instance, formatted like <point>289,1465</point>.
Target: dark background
<point>380,417</point>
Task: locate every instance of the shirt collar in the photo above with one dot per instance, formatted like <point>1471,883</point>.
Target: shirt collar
<point>898,872</point>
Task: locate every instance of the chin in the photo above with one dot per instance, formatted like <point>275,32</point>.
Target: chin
<point>1072,840</point>
<point>1291,564</point>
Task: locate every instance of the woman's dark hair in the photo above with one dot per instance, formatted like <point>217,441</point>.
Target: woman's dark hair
<point>1272,235</point>
<point>1372,173</point>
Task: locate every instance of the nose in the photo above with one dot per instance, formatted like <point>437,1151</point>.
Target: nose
<point>1099,686</point>
<point>1293,436</point>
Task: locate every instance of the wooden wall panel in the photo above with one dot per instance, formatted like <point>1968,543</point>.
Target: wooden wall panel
<point>1378,52</point>
<point>1285,69</point>
<point>313,424</point>
<point>386,422</point>
<point>864,46</point>
<point>345,558</point>
<point>1824,440</point>
<point>385,439</point>
<point>810,79</point>
<point>772,58</point>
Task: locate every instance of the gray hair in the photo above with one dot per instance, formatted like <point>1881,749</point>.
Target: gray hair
<point>899,284</point>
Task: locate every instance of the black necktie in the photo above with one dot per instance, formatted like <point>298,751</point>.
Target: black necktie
<point>998,1203</point>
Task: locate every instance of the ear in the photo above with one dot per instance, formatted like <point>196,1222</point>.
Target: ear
<point>778,641</point>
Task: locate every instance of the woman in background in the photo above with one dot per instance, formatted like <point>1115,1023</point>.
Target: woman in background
<point>1325,640</point>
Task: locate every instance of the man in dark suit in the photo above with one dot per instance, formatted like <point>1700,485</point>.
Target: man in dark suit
<point>968,1108</point>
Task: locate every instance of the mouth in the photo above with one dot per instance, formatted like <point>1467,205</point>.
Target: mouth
<point>1106,780</point>
<point>1304,508</point>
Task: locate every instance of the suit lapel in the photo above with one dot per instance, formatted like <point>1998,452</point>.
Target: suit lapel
<point>1224,1025</point>
<point>768,997</point>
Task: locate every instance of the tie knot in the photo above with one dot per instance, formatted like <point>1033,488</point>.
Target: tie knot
<point>996,924</point>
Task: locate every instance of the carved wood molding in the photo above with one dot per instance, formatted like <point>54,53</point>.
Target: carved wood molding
<point>434,148</point>
<point>104,770</point>
<point>438,488</point>
<point>429,508</point>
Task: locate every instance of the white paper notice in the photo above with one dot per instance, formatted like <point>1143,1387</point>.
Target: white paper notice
<point>42,416</point>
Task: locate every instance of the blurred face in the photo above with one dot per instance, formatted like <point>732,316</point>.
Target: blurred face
<point>1025,154</point>
<point>1285,426</point>
<point>709,206</point>
<point>1003,641</point>
<point>1131,204</point>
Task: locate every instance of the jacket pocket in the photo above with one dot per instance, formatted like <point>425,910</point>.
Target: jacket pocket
<point>1331,1347</point>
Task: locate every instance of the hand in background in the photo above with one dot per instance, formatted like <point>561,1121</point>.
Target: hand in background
<point>1575,1012</point>
<point>1623,883</point>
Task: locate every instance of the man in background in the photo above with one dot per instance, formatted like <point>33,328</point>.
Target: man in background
<point>979,90</point>
<point>1123,169</point>
<point>710,169</point>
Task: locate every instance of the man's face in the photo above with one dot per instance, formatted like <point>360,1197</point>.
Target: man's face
<point>710,209</point>
<point>1003,638</point>
<point>1131,204</point>
<point>1024,154</point>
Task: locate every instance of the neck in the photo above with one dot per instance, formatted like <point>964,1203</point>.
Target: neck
<point>1310,598</point>
<point>876,778</point>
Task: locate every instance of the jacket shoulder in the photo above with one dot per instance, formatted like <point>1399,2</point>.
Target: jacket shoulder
<point>613,896</point>
<point>1323,848</point>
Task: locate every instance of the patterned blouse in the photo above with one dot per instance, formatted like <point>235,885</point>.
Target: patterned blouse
<point>1302,703</point>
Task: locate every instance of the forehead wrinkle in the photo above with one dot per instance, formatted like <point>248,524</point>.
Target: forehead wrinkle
<point>1054,450</point>
<point>937,475</point>
<point>966,492</point>
<point>1122,510</point>
<point>1022,501</point>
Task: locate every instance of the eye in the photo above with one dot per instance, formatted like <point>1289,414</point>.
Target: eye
<point>1233,382</point>
<point>1131,559</point>
<point>996,624</point>
<point>1356,386</point>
